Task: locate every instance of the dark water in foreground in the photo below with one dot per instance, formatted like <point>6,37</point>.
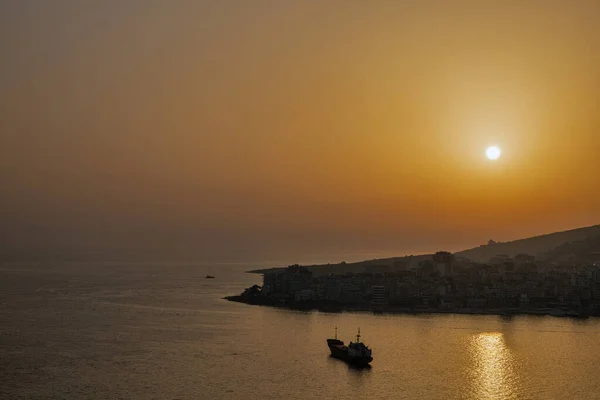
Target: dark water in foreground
<point>143,331</point>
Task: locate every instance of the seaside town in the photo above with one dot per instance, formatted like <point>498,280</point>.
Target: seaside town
<point>442,282</point>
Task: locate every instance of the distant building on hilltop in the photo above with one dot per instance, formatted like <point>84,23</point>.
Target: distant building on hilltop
<point>443,261</point>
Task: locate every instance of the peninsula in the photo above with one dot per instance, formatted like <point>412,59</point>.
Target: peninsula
<point>556,274</point>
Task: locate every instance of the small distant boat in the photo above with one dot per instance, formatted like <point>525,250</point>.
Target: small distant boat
<point>209,277</point>
<point>356,353</point>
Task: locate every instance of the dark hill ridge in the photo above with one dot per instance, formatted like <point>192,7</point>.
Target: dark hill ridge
<point>539,246</point>
<point>380,264</point>
<point>581,245</point>
<point>586,251</point>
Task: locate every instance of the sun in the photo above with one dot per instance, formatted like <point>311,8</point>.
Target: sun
<point>493,153</point>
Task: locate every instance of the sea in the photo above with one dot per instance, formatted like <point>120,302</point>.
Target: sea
<point>160,330</point>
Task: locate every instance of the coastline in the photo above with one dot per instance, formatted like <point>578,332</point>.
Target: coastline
<point>331,307</point>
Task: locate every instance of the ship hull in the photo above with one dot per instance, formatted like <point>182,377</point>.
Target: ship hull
<point>341,352</point>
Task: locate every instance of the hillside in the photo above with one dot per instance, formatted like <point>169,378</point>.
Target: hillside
<point>380,264</point>
<point>581,252</point>
<point>580,245</point>
<point>539,246</point>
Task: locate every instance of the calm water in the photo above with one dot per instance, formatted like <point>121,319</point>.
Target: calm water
<point>143,331</point>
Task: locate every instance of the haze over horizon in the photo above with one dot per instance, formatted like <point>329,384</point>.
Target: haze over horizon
<point>284,128</point>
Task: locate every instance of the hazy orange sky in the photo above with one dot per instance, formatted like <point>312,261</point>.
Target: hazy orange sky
<point>296,127</point>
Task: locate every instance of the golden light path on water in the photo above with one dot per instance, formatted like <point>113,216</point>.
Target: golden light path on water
<point>493,374</point>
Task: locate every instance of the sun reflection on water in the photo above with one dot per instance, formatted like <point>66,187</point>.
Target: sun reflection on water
<point>492,373</point>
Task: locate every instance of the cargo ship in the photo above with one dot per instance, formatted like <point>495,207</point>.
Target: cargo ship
<point>356,353</point>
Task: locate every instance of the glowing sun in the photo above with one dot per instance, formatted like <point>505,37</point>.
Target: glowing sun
<point>493,153</point>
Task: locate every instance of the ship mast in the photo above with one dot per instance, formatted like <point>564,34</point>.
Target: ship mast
<point>336,333</point>
<point>358,336</point>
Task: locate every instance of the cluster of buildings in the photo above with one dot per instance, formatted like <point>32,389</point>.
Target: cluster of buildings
<point>444,283</point>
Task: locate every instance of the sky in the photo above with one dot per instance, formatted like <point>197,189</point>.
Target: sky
<point>261,128</point>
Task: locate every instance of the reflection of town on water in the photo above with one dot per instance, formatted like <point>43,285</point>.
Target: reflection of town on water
<point>492,374</point>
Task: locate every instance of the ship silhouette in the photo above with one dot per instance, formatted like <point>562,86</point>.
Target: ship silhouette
<point>356,353</point>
